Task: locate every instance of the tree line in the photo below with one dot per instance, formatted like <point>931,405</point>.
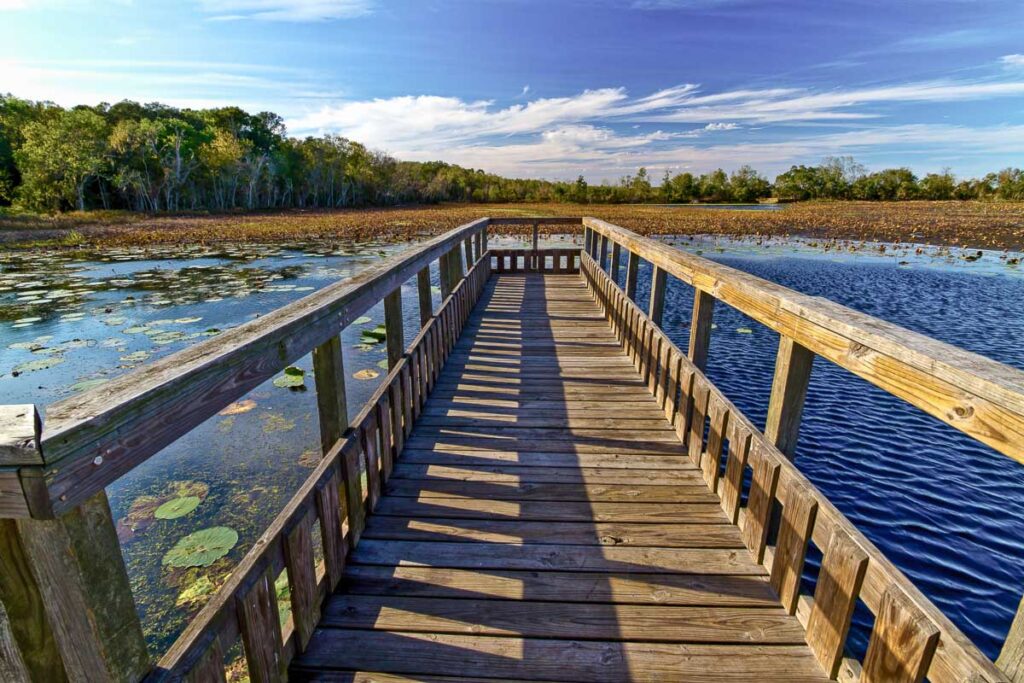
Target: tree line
<point>152,157</point>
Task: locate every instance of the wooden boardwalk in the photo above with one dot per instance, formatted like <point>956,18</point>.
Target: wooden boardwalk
<point>544,523</point>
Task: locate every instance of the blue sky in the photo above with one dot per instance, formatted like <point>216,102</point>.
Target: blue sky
<point>557,88</point>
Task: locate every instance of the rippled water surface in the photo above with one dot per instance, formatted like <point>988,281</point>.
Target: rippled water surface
<point>946,510</point>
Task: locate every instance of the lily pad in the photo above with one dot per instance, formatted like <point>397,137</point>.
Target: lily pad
<point>293,378</point>
<point>187,321</point>
<point>383,364</point>
<point>374,336</point>
<point>135,357</point>
<point>202,548</point>
<point>362,320</point>
<point>239,407</point>
<point>366,374</point>
<point>41,364</point>
<point>273,422</point>
<point>87,384</point>
<point>179,507</point>
<point>744,330</point>
<point>137,329</point>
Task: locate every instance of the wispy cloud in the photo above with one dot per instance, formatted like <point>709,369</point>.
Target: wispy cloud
<point>286,10</point>
<point>1013,61</point>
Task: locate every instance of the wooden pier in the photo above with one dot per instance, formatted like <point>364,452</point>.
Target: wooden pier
<point>543,488</point>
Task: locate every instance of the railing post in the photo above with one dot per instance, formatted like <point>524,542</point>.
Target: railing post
<point>588,236</point>
<point>393,328</point>
<point>700,328</point>
<point>332,405</point>
<point>632,270</point>
<point>789,388</point>
<point>616,254</point>
<point>426,300</point>
<point>467,245</point>
<point>445,271</point>
<point>1011,659</point>
<point>656,309</point>
<point>66,593</point>
<point>603,260</point>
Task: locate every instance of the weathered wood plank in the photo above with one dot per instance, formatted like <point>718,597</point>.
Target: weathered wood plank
<point>261,633</point>
<point>305,598</point>
<point>632,271</point>
<point>902,644</point>
<point>394,328</point>
<point>789,389</point>
<point>332,404</point>
<point>760,501</point>
<point>700,328</point>
<point>1011,658</point>
<point>798,516</point>
<point>329,512</point>
<point>19,435</point>
<point>531,619</point>
<point>681,513</point>
<point>480,657</point>
<point>736,463</point>
<point>652,493</point>
<point>839,582</point>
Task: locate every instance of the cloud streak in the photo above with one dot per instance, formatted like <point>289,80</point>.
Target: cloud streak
<point>285,10</point>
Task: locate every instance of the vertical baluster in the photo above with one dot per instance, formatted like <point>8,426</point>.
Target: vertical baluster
<point>397,429</point>
<point>735,465</point>
<point>351,475</point>
<point>760,501</point>
<point>656,307</point>
<point>210,666</point>
<point>839,581</point>
<point>698,412</point>
<point>903,641</point>
<point>426,300</point>
<point>328,509</point>
<point>387,446</point>
<point>332,406</point>
<point>393,327</point>
<point>632,270</point>
<point>718,420</point>
<point>700,328</point>
<point>298,559</point>
<point>259,623</point>
<point>789,389</point>
<point>616,257</point>
<point>798,516</point>
<point>602,262</point>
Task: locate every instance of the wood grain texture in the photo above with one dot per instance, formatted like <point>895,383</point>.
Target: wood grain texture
<point>760,501</point>
<point>789,389</point>
<point>19,435</point>
<point>332,405</point>
<point>1011,658</point>
<point>902,644</point>
<point>298,560</point>
<point>839,582</point>
<point>258,622</point>
<point>795,529</point>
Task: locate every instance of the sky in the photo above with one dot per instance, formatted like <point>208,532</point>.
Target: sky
<point>559,88</point>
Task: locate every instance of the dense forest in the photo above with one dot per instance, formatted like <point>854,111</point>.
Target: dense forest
<point>155,158</point>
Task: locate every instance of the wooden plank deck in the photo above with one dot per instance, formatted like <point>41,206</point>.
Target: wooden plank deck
<point>544,523</point>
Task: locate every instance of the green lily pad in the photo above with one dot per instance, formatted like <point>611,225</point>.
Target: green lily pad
<point>179,507</point>
<point>374,336</point>
<point>137,329</point>
<point>202,548</point>
<point>41,364</point>
<point>293,378</point>
<point>744,330</point>
<point>362,320</point>
<point>186,321</point>
<point>87,384</point>
<point>383,364</point>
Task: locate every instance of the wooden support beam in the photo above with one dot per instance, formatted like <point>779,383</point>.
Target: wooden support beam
<point>632,269</point>
<point>536,236</point>
<point>65,589</point>
<point>789,388</point>
<point>656,309</point>
<point>445,272</point>
<point>467,247</point>
<point>588,236</point>
<point>700,328</point>
<point>616,255</point>
<point>603,260</point>
<point>331,402</point>
<point>394,333</point>
<point>1011,659</point>
<point>426,300</point>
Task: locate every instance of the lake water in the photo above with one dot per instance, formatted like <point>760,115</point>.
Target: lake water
<point>944,509</point>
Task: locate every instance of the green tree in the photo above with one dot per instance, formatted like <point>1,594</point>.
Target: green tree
<point>60,157</point>
<point>747,185</point>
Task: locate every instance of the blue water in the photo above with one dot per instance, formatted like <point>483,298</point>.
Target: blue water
<point>946,510</point>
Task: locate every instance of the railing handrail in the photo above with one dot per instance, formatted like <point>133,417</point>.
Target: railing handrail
<point>977,395</point>
<point>91,439</point>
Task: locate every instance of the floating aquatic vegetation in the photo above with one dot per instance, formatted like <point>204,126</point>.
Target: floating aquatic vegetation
<point>187,321</point>
<point>41,364</point>
<point>136,357</point>
<point>87,384</point>
<point>310,458</point>
<point>226,425</point>
<point>744,330</point>
<point>239,407</point>
<point>366,374</point>
<point>178,507</point>
<point>383,364</point>
<point>141,513</point>
<point>272,422</point>
<point>202,548</point>
<point>374,336</point>
<point>293,378</point>
<point>136,329</point>
<point>197,592</point>
<point>362,320</point>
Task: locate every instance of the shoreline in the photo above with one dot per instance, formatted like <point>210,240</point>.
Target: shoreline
<point>961,224</point>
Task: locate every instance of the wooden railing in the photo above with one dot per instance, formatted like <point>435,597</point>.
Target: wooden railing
<point>66,607</point>
<point>911,638</point>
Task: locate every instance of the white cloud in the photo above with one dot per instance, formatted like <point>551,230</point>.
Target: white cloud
<point>286,10</point>
<point>712,127</point>
<point>1015,61</point>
